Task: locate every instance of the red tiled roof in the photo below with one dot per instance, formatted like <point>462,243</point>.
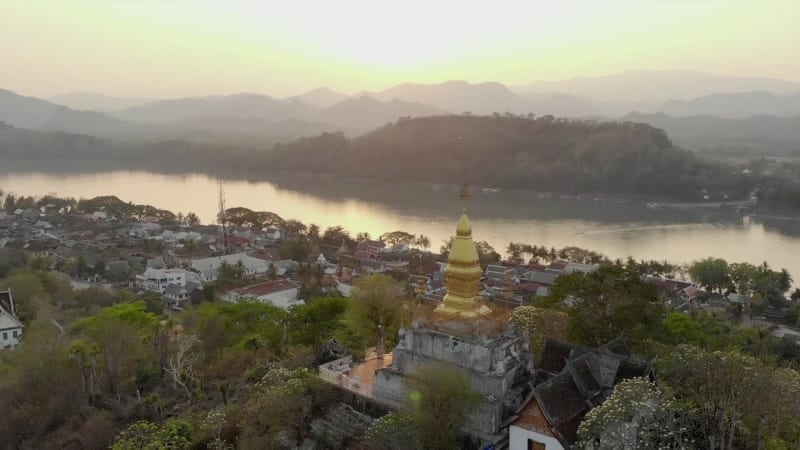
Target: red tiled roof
<point>532,418</point>
<point>269,287</point>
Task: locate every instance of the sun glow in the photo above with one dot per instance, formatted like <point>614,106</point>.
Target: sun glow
<point>177,48</point>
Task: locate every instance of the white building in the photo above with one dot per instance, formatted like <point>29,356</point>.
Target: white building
<point>10,326</point>
<point>281,293</point>
<point>208,268</point>
<point>524,437</point>
<point>157,280</point>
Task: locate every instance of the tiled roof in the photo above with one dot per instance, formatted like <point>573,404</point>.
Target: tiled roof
<point>269,287</point>
<point>532,418</point>
<point>571,380</point>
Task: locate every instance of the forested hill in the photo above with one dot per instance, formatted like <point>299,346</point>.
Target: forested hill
<point>545,153</point>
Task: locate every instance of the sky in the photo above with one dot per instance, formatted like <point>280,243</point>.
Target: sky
<point>140,48</point>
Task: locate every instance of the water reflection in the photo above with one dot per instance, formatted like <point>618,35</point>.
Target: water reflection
<point>616,229</point>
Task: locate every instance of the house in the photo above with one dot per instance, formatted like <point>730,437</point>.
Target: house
<point>208,268</point>
<point>274,234</point>
<point>572,267</point>
<point>570,381</point>
<point>156,263</point>
<point>495,272</point>
<point>369,249</point>
<point>543,278</point>
<point>118,268</point>
<point>372,266</point>
<point>738,298</point>
<point>281,293</point>
<point>157,280</point>
<point>10,326</point>
<point>174,295</point>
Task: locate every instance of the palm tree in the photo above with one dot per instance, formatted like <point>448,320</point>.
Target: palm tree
<point>423,241</point>
<point>784,280</point>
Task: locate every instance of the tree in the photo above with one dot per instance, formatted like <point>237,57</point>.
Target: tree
<point>313,232</point>
<point>737,400</point>
<point>377,308</point>
<point>336,235</point>
<point>279,403</point>
<point>440,401</point>
<point>711,273</point>
<point>81,267</point>
<point>297,249</point>
<point>121,332</point>
<point>394,431</point>
<point>683,329</point>
<point>317,321</point>
<point>144,435</point>
<point>295,226</point>
<point>744,277</point>
<point>183,354</point>
<point>209,292</point>
<point>395,238</point>
<point>540,324</point>
<point>514,252</point>
<point>192,219</point>
<point>422,242</point>
<point>231,274</point>
<point>784,280</point>
<point>606,303</point>
<point>636,415</point>
<point>10,259</point>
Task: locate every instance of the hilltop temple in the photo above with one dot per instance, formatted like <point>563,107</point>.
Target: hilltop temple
<point>521,408</point>
<point>463,332</point>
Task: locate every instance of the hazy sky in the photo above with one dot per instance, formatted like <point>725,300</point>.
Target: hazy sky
<point>173,48</point>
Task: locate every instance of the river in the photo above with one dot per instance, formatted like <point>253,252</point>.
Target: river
<point>613,228</point>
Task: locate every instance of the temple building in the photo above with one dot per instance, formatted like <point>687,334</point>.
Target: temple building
<point>463,332</point>
<point>521,408</point>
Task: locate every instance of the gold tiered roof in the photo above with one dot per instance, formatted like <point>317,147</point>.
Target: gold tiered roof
<point>463,277</point>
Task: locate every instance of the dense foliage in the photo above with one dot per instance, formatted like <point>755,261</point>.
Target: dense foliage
<point>544,153</point>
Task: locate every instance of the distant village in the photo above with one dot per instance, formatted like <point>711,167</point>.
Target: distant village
<point>186,262</point>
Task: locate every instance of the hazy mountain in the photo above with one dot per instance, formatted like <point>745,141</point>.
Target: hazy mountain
<point>459,96</point>
<point>22,111</point>
<point>321,97</point>
<point>241,105</point>
<point>544,154</point>
<point>30,112</point>
<point>237,130</point>
<point>657,86</point>
<point>760,134</point>
<point>742,104</point>
<point>87,122</point>
<point>366,112</point>
<point>96,102</point>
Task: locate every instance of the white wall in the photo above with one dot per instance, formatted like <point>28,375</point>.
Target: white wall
<point>7,339</point>
<point>518,439</point>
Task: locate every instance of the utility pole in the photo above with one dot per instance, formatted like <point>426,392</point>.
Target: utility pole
<point>222,217</point>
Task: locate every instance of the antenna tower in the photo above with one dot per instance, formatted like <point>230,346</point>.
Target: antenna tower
<point>222,217</point>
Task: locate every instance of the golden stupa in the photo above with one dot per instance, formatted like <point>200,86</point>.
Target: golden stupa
<point>463,278</point>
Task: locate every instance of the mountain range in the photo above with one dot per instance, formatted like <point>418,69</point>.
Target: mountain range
<point>657,87</point>
<point>696,109</point>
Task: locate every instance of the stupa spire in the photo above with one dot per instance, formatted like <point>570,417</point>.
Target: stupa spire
<point>463,273</point>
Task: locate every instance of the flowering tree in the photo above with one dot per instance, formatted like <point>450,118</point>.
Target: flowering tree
<point>540,324</point>
<point>637,415</point>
